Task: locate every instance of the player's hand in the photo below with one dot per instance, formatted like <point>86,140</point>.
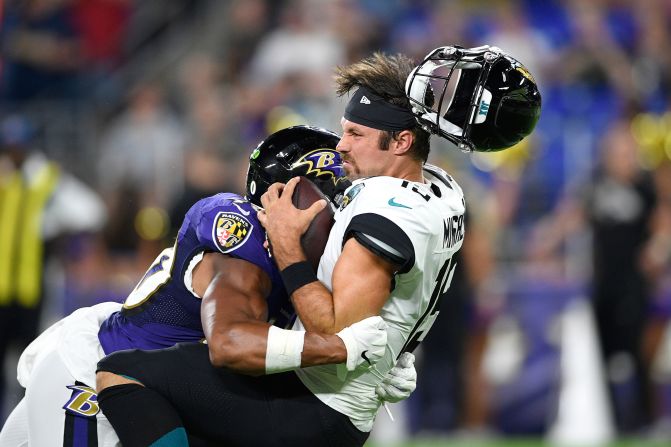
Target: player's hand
<point>400,381</point>
<point>284,223</point>
<point>365,342</point>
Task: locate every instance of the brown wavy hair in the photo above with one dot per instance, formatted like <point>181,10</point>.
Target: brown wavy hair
<point>385,75</point>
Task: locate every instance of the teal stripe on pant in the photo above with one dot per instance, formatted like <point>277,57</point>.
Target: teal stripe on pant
<point>175,438</point>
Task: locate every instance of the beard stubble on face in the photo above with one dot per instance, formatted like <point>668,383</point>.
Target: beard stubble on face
<point>350,169</point>
<point>354,173</point>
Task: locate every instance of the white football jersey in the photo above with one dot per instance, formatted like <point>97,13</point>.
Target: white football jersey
<point>419,226</point>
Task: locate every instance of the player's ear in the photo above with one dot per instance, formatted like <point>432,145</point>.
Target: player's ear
<point>403,142</point>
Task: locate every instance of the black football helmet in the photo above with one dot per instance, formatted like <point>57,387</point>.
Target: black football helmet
<point>480,99</point>
<point>295,151</point>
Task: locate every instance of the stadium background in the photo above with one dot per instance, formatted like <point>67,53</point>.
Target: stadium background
<point>155,103</point>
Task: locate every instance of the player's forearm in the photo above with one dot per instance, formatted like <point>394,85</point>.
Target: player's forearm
<point>243,348</point>
<point>287,250</point>
<point>321,349</point>
<point>240,347</point>
<point>314,305</point>
<point>313,302</point>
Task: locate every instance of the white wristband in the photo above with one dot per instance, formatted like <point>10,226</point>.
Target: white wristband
<point>284,349</point>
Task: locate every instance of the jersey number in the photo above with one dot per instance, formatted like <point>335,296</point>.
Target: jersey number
<point>414,188</point>
<point>425,322</point>
<point>157,275</point>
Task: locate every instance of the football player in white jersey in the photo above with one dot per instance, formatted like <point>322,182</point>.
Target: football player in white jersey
<point>389,253</point>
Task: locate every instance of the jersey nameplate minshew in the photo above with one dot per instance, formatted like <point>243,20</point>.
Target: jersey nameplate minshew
<point>453,230</point>
<point>230,230</point>
<point>351,194</point>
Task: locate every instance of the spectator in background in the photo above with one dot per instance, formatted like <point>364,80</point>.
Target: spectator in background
<point>314,47</point>
<point>207,173</point>
<point>248,23</point>
<point>596,57</point>
<point>140,174</point>
<point>209,109</point>
<point>213,159</point>
<point>42,51</point>
<point>102,26</point>
<point>38,203</point>
<point>301,78</point>
<point>346,15</point>
<point>144,149</point>
<point>652,61</point>
<point>621,204</point>
<point>618,207</point>
<point>414,30</point>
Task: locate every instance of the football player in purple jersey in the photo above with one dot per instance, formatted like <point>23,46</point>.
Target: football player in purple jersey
<point>217,283</point>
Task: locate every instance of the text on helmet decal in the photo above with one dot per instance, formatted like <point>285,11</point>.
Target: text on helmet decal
<point>483,107</point>
<point>323,162</point>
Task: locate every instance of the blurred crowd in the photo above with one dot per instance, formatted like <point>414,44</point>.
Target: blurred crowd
<point>117,115</point>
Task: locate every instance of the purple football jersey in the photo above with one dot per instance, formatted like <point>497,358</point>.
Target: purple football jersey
<point>162,309</point>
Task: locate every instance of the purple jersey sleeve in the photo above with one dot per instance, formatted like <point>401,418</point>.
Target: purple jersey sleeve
<point>229,225</point>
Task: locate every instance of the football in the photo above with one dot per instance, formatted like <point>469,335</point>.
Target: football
<point>314,240</point>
